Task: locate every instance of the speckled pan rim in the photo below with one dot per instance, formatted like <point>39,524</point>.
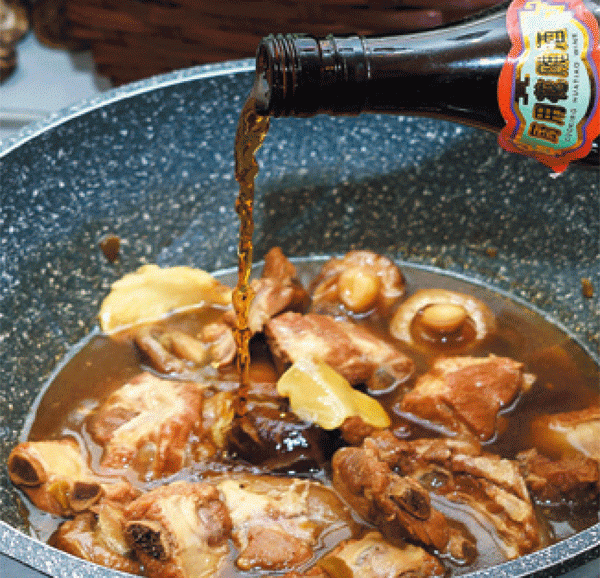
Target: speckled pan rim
<point>84,106</point>
<point>554,560</point>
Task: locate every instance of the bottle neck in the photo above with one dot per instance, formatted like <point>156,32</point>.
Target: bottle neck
<point>299,75</point>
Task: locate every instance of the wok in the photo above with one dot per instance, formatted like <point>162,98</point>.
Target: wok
<point>152,162</point>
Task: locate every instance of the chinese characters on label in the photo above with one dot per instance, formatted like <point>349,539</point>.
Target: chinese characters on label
<point>548,91</point>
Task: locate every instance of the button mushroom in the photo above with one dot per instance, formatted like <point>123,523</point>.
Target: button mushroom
<point>439,317</point>
<point>359,282</point>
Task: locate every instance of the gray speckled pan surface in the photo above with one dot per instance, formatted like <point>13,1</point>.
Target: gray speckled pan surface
<point>152,162</point>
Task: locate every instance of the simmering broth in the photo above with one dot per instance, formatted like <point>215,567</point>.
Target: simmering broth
<point>566,380</point>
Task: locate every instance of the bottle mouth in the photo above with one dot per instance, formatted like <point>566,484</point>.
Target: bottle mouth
<point>300,75</point>
<point>261,90</point>
<point>276,74</point>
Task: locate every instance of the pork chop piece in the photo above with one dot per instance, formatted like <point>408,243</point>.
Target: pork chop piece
<point>145,425</point>
<point>463,395</point>
<point>97,536</point>
<point>386,499</point>
<point>57,479</point>
<point>280,523</point>
<point>372,557</point>
<point>277,290</point>
<point>573,479</point>
<point>179,530</point>
<point>569,433</point>
<point>491,488</point>
<point>352,350</point>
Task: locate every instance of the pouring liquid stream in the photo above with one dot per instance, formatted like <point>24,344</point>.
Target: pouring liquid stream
<point>251,132</point>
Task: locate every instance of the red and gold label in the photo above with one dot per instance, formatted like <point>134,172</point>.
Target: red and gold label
<point>548,87</point>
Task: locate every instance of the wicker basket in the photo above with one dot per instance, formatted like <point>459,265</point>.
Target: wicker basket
<point>133,39</point>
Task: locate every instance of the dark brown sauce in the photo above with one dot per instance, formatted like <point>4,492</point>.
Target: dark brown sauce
<point>567,380</point>
<point>567,377</point>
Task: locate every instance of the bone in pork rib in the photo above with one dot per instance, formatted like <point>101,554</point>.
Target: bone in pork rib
<point>97,536</point>
<point>57,479</point>
<point>463,395</point>
<point>146,424</point>
<point>352,350</point>
<point>386,499</point>
<point>279,523</point>
<point>179,530</point>
<point>491,486</point>
<point>573,480</point>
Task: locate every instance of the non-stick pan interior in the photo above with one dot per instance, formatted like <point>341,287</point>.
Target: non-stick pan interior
<point>153,163</point>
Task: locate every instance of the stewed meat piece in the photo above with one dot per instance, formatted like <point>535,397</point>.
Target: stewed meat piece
<point>569,433</point>
<point>352,350</point>
<point>574,479</point>
<point>180,530</point>
<point>57,479</point>
<point>458,470</point>
<point>278,523</point>
<point>277,290</point>
<point>97,536</point>
<point>387,499</point>
<point>372,557</point>
<point>146,424</point>
<point>463,395</point>
<point>360,282</point>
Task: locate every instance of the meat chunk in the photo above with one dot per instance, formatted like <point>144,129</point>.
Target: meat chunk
<point>373,557</point>
<point>277,266</point>
<point>276,291</point>
<point>574,480</point>
<point>279,522</point>
<point>352,350</point>
<point>221,342</point>
<point>387,499</point>
<point>56,477</point>
<point>97,536</point>
<point>146,424</point>
<point>354,430</point>
<point>272,296</point>
<point>172,351</point>
<point>569,433</point>
<point>464,394</point>
<point>179,530</point>
<point>491,487</point>
<point>359,282</point>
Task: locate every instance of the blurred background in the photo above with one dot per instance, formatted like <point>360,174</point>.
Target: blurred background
<point>56,52</point>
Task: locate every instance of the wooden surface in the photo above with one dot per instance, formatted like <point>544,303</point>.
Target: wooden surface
<point>133,39</point>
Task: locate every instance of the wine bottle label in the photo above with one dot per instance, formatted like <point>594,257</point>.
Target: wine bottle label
<point>548,87</point>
